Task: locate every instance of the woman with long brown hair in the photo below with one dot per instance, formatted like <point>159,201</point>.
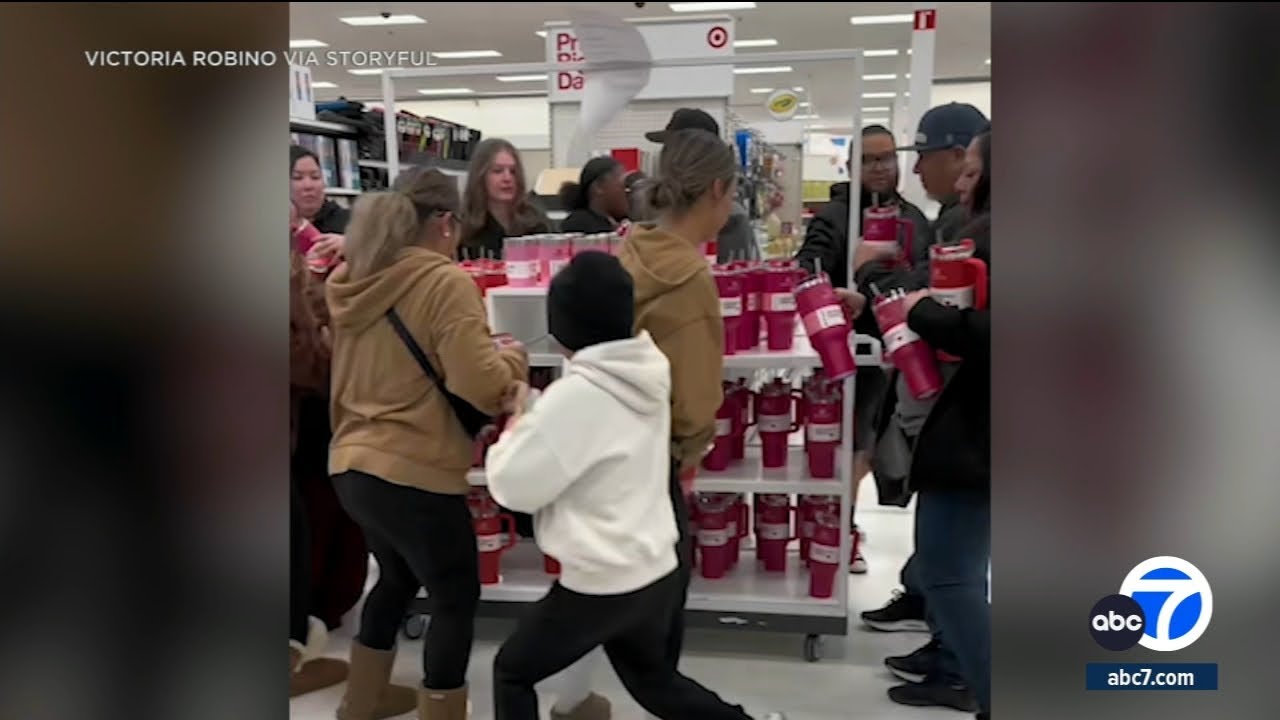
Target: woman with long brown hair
<point>496,203</point>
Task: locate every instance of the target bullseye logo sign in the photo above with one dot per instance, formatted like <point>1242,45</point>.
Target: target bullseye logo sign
<point>1164,604</point>
<point>717,37</point>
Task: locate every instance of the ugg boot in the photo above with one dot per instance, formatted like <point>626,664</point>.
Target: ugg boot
<point>443,704</point>
<point>595,707</point>
<point>308,671</point>
<point>370,694</point>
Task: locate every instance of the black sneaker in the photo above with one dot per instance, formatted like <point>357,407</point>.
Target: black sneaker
<point>904,613</point>
<point>916,666</point>
<point>934,694</point>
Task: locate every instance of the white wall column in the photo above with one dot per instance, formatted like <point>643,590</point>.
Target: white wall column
<point>923,37</point>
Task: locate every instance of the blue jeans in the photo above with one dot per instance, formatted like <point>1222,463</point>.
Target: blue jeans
<point>953,552</point>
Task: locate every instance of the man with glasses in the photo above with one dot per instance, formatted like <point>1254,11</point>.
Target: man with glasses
<point>826,244</point>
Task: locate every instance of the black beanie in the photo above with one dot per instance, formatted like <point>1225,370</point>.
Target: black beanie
<point>591,301</point>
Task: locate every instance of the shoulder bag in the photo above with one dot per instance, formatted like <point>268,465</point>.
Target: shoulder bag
<point>473,420</point>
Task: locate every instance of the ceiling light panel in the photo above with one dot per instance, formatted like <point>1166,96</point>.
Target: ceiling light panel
<point>378,20</point>
<point>881,19</point>
<point>466,54</point>
<point>304,44</point>
<point>688,7</point>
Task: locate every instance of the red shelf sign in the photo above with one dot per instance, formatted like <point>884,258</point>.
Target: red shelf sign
<point>926,20</point>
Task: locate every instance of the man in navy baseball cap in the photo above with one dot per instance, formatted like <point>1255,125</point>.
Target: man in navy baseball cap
<point>941,138</point>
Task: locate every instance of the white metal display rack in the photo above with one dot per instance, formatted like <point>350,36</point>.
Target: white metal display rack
<point>745,599</point>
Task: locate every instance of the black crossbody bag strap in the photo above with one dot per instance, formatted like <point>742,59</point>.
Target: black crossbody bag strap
<point>473,420</point>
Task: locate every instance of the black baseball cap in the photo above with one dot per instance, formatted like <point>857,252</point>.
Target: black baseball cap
<point>947,126</point>
<point>685,119</point>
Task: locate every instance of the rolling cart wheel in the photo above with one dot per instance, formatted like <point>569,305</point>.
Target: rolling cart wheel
<point>415,626</point>
<point>812,648</point>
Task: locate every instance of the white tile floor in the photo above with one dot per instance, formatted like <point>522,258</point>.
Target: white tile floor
<point>763,672</point>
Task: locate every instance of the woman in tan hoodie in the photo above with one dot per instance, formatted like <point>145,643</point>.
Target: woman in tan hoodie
<point>677,303</point>
<point>400,455</point>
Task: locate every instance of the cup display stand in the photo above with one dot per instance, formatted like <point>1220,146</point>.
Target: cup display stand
<point>746,597</point>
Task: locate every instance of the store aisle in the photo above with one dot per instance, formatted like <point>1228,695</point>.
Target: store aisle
<point>761,671</point>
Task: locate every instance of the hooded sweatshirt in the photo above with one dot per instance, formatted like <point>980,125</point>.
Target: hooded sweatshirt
<point>389,419</point>
<point>589,461</point>
<point>677,303</point>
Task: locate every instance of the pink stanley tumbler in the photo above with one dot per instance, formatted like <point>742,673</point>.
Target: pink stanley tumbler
<point>956,277</point>
<point>722,450</point>
<point>826,324</point>
<point>495,534</point>
<point>779,303</point>
<point>882,226</point>
<point>775,421</point>
<point>743,398</point>
<point>773,530</point>
<point>729,284</point>
<point>752,289</point>
<point>521,256</point>
<point>714,510</point>
<point>907,351</point>
<point>824,549</point>
<point>823,413</point>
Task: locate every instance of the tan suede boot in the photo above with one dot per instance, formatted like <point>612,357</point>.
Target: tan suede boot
<point>370,694</point>
<point>443,704</point>
<point>595,707</point>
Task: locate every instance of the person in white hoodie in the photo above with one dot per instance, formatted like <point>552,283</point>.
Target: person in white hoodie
<point>590,461</point>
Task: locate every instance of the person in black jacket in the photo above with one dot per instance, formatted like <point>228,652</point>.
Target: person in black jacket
<point>826,246</point>
<point>306,189</point>
<point>951,471</point>
<point>496,203</point>
<point>598,201</point>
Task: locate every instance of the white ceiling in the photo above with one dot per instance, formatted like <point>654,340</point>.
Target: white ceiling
<point>963,43</point>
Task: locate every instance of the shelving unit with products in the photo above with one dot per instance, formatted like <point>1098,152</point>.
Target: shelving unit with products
<point>746,597</point>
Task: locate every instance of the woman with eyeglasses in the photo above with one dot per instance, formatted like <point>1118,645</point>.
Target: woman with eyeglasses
<point>400,454</point>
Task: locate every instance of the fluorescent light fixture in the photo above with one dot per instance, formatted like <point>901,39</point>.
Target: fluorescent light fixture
<point>762,70</point>
<point>762,42</point>
<point>803,104</point>
<point>375,20</point>
<point>988,61</point>
<point>521,78</point>
<point>875,109</point>
<point>884,76</point>
<point>710,6</point>
<point>445,91</point>
<point>761,91</point>
<point>879,120</point>
<point>323,85</point>
<point>798,89</point>
<point>540,33</point>
<point>873,96</point>
<point>301,44</point>
<point>881,19</point>
<point>370,71</point>
<point>805,116</point>
<point>466,54</point>
<point>880,53</point>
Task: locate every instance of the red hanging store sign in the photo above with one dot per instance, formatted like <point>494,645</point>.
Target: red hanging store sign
<point>926,20</point>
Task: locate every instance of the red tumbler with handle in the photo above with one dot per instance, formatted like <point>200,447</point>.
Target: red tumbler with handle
<point>713,534</point>
<point>779,304</point>
<point>729,285</point>
<point>742,398</point>
<point>752,290</point>
<point>884,227</point>
<point>824,411</point>
<point>825,322</point>
<point>775,421</point>
<point>722,449</point>
<point>824,550</point>
<point>773,530</point>
<point>906,350</point>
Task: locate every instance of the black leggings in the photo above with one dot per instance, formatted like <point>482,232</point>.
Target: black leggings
<point>299,567</point>
<point>565,625</point>
<point>420,539</point>
<point>684,571</point>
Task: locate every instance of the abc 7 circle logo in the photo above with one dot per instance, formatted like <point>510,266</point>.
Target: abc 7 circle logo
<point>1164,604</point>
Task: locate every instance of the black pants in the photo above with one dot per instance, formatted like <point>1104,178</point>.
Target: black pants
<point>420,539</point>
<point>564,626</point>
<point>299,567</point>
<point>684,571</point>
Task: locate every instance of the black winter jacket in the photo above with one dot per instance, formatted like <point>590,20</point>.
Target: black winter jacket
<point>953,450</point>
<point>332,218</point>
<point>826,241</point>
